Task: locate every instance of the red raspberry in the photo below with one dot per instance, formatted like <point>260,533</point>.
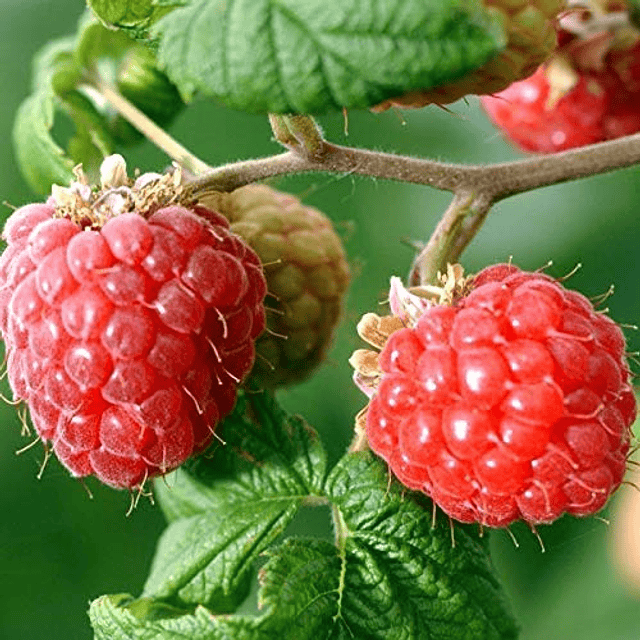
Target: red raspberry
<point>588,92</point>
<point>512,403</point>
<point>599,107</point>
<point>127,341</point>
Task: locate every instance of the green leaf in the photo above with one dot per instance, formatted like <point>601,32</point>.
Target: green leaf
<point>261,451</point>
<point>208,558</point>
<point>91,142</point>
<point>301,592</point>
<point>55,65</point>
<point>120,617</point>
<point>144,85</point>
<point>118,60</point>
<point>61,71</point>
<point>402,577</point>
<point>96,44</point>
<point>135,16</point>
<point>226,508</point>
<point>41,160</point>
<point>393,576</point>
<point>310,56</point>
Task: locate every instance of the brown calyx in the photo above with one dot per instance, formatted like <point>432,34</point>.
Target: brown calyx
<point>90,206</point>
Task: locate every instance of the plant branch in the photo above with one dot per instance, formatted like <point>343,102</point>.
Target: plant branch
<point>334,159</point>
<point>311,153</point>
<point>475,187</point>
<point>299,133</point>
<point>438,251</point>
<point>148,128</point>
<point>496,181</point>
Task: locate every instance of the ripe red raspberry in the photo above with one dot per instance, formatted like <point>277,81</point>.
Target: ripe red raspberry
<point>599,107</point>
<point>588,92</point>
<point>511,403</point>
<point>128,324</point>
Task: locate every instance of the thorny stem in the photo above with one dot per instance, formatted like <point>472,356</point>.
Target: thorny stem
<point>475,187</point>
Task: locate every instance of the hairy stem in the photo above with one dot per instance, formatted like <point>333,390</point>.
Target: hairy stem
<point>437,252</point>
<point>334,159</point>
<point>495,181</point>
<point>475,187</point>
<point>313,154</point>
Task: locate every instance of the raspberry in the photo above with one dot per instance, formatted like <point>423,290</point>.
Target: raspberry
<point>307,277</point>
<point>513,402</point>
<point>531,37</point>
<point>127,328</point>
<point>588,92</point>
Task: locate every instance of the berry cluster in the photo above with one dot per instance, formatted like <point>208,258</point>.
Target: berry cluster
<point>511,403</point>
<point>126,338</point>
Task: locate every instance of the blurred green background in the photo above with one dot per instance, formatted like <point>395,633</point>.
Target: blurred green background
<point>59,549</point>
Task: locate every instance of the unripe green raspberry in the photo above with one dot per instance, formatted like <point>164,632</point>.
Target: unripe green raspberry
<point>307,277</point>
<point>531,38</point>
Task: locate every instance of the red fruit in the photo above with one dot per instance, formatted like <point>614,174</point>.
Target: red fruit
<point>117,336</point>
<point>488,414</point>
<point>571,102</point>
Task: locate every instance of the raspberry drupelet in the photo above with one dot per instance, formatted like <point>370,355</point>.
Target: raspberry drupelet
<point>512,402</point>
<point>129,322</point>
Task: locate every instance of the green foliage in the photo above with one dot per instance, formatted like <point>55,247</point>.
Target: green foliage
<point>403,574</point>
<point>392,574</point>
<point>41,160</point>
<point>134,16</point>
<point>120,617</point>
<point>232,505</point>
<point>63,72</point>
<point>140,82</point>
<point>312,56</point>
<point>255,55</point>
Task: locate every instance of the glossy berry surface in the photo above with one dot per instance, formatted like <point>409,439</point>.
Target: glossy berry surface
<point>127,342</point>
<point>601,105</point>
<point>513,403</point>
